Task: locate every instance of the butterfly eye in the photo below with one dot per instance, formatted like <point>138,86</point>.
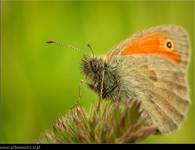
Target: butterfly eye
<point>169,45</point>
<point>94,66</point>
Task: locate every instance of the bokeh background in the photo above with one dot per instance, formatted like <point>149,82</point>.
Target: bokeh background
<point>40,81</point>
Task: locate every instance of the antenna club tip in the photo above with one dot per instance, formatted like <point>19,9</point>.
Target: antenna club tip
<point>50,42</point>
<point>90,48</point>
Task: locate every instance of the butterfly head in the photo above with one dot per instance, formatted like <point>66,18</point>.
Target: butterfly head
<point>92,67</point>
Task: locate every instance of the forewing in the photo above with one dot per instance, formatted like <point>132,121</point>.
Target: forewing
<point>150,40</point>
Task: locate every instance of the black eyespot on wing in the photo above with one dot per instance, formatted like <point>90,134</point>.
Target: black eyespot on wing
<point>169,44</point>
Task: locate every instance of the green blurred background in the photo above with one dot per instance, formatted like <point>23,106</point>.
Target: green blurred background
<point>40,81</point>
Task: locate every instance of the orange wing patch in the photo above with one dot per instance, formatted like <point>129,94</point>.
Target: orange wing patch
<point>153,44</point>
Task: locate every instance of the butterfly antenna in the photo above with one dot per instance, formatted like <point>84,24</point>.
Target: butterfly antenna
<point>88,45</point>
<point>63,44</point>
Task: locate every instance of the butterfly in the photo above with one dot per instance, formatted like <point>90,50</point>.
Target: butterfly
<point>149,67</point>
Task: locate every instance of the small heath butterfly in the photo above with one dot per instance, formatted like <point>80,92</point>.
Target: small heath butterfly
<point>149,67</point>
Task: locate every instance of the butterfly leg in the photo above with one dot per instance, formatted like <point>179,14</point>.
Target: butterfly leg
<point>79,93</point>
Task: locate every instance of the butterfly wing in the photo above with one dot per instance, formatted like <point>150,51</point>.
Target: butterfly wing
<point>153,66</point>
